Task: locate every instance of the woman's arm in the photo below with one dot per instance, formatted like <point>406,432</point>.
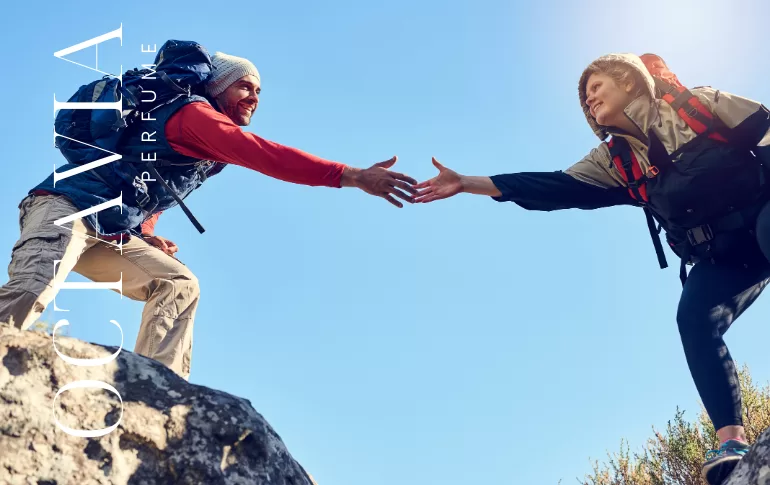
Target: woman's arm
<point>586,185</point>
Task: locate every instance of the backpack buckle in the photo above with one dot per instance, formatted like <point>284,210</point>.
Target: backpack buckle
<point>700,234</point>
<point>142,198</point>
<point>141,192</point>
<point>652,172</point>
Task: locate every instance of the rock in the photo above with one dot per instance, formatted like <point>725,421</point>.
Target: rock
<point>170,431</point>
<point>754,468</point>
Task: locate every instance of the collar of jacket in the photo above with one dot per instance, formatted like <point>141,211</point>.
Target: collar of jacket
<point>643,113</point>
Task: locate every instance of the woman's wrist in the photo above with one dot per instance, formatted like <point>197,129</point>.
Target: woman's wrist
<point>479,186</point>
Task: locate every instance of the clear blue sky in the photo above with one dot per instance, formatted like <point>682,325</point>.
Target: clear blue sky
<point>463,341</point>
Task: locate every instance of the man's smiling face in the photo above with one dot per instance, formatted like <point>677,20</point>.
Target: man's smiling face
<point>240,99</point>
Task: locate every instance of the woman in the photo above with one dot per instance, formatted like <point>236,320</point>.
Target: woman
<point>692,160</point>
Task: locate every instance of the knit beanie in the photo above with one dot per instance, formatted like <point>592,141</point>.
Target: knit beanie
<point>227,70</point>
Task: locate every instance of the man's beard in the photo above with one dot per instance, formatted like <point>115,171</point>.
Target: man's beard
<point>233,111</point>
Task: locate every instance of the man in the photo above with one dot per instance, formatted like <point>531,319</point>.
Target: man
<point>201,135</point>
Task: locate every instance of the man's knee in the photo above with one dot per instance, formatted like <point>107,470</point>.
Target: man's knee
<point>189,284</point>
<point>176,293</point>
<point>185,278</point>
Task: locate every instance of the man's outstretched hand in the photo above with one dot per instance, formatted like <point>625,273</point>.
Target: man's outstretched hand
<point>379,181</point>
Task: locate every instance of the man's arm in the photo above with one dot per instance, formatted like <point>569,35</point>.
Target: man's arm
<point>198,130</point>
<point>148,226</point>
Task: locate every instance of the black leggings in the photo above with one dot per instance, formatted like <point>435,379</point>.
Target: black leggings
<point>713,296</point>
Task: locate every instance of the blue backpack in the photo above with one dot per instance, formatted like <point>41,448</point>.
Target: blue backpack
<point>181,69</point>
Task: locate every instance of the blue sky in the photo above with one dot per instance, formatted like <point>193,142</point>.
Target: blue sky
<point>463,341</point>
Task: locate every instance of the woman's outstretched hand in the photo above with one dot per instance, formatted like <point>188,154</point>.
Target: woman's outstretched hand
<point>446,184</point>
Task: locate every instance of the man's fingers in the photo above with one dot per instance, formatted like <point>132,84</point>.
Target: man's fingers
<point>164,245</point>
<point>401,176</point>
<point>404,186</point>
<point>402,195</point>
<point>424,185</point>
<point>393,201</point>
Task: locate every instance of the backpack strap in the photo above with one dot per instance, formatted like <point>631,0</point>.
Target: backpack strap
<point>176,197</point>
<point>655,235</point>
<point>143,198</point>
<point>631,171</point>
<point>628,166</point>
<point>690,109</point>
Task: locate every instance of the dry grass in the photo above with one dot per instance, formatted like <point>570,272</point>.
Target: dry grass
<point>675,456</point>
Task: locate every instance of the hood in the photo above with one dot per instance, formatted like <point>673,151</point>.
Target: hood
<point>630,60</point>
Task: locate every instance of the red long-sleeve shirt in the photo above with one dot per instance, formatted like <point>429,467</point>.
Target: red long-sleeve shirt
<point>199,131</point>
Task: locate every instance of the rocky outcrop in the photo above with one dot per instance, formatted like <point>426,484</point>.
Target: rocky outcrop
<point>169,431</point>
<point>754,468</point>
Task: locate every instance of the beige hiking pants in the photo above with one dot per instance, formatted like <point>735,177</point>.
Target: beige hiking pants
<point>169,288</point>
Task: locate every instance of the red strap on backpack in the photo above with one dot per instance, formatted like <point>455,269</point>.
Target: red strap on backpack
<point>687,105</point>
<point>627,164</point>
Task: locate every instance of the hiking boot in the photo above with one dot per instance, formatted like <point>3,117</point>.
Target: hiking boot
<point>720,463</point>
